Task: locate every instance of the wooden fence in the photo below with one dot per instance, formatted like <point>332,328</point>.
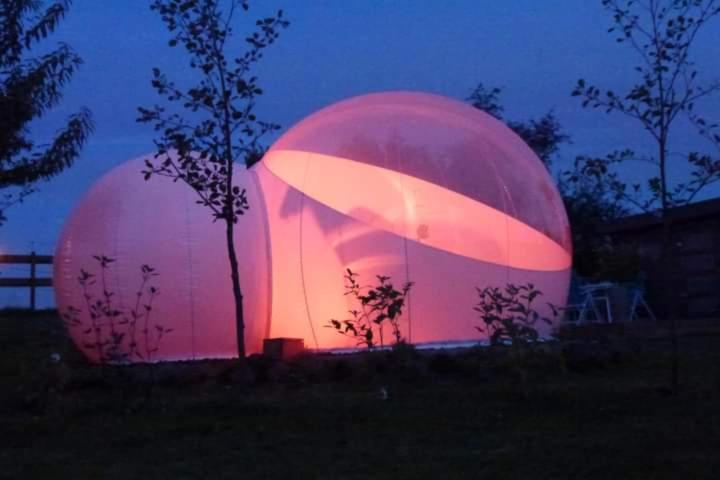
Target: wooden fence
<point>33,281</point>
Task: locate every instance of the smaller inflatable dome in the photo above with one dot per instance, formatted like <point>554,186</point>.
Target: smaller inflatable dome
<point>158,223</point>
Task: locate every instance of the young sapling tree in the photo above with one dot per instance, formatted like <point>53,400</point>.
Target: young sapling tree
<point>219,126</point>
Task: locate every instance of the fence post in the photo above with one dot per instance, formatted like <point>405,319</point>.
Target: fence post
<point>32,280</point>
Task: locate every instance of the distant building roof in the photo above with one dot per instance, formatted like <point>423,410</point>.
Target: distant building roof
<point>649,221</point>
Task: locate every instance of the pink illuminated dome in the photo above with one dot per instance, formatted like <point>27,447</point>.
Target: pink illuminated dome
<point>158,223</point>
<point>415,186</point>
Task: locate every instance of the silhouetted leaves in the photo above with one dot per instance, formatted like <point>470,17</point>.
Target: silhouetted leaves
<point>226,128</point>
<point>29,87</point>
<point>544,135</point>
<point>112,329</point>
<point>508,314</point>
<point>666,88</point>
<point>379,303</point>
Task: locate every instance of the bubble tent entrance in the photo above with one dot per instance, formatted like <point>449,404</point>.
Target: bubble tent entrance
<point>411,185</point>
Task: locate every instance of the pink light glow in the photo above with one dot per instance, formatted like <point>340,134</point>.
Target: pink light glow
<point>397,203</point>
<point>410,185</point>
<point>417,187</point>
<point>158,222</point>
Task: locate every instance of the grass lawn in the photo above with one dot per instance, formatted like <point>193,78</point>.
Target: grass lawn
<point>446,418</point>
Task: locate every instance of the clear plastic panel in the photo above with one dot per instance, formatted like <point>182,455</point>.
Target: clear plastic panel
<point>450,144</point>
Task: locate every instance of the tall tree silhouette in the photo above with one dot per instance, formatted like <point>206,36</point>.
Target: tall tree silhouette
<point>667,89</point>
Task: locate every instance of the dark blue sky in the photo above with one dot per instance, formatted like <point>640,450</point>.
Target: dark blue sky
<point>535,49</point>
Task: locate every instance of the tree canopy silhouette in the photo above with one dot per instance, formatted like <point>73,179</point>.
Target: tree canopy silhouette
<point>543,135</point>
<point>29,87</point>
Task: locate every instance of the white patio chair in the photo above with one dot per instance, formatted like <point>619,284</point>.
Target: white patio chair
<point>638,301</point>
<point>596,295</point>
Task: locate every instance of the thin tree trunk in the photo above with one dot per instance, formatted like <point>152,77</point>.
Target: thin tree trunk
<point>232,255</point>
<point>237,293</point>
<point>230,213</point>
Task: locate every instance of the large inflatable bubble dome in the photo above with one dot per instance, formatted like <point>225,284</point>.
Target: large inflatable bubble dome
<point>414,186</point>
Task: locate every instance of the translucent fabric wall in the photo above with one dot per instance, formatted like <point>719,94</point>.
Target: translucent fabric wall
<point>414,186</point>
<point>417,187</point>
<point>158,222</point>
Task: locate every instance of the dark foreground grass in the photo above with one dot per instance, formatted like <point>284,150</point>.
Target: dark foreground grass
<point>616,422</point>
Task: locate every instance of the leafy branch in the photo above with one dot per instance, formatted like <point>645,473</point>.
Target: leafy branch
<point>29,88</point>
<point>111,331</point>
<point>508,314</point>
<point>662,32</point>
<point>378,304</point>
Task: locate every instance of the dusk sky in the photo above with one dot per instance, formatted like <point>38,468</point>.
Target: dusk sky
<point>535,49</point>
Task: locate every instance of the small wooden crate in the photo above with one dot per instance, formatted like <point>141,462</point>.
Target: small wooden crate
<point>283,348</point>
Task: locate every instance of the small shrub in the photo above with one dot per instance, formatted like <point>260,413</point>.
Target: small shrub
<point>508,314</point>
<point>111,331</point>
<point>379,304</point>
<point>509,319</point>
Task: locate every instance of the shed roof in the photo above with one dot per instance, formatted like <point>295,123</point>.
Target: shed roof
<point>648,221</point>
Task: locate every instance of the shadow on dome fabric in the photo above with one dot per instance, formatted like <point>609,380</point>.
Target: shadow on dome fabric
<point>411,185</point>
